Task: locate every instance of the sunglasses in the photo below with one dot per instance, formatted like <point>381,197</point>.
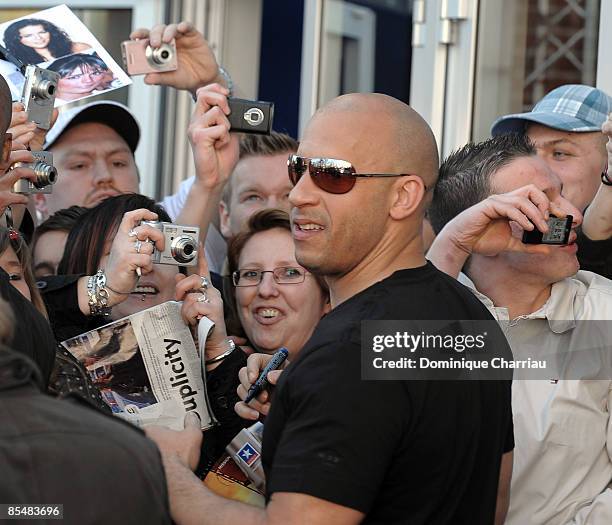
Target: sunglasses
<point>331,175</point>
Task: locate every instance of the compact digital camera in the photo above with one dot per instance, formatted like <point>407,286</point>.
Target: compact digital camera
<point>46,174</point>
<point>181,244</point>
<point>38,97</point>
<point>140,58</point>
<point>250,116</point>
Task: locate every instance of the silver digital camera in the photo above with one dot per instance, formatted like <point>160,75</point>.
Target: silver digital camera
<point>140,58</point>
<point>46,174</point>
<point>38,97</point>
<point>181,244</point>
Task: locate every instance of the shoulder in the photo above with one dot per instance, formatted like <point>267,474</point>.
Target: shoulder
<point>594,292</point>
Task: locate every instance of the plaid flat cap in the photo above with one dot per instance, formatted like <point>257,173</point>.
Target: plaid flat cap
<point>574,107</point>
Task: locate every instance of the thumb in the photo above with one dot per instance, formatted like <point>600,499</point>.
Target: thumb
<point>192,421</point>
<point>274,376</point>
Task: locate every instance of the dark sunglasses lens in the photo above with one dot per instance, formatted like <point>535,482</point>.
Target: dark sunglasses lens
<point>296,167</point>
<point>331,180</point>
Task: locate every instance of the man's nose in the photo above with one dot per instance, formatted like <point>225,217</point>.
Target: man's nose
<point>102,174</point>
<point>304,193</point>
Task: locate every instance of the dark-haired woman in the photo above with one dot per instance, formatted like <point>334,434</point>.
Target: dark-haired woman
<point>34,40</point>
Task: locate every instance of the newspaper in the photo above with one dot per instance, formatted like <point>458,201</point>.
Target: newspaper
<point>147,366</point>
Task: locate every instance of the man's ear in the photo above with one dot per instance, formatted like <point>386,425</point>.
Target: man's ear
<point>408,194</point>
<point>224,216</point>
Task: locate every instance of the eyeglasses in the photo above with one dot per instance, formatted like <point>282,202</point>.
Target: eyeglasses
<point>331,175</point>
<point>282,275</point>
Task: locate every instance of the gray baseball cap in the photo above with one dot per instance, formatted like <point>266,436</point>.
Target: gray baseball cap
<point>573,107</point>
<point>113,114</point>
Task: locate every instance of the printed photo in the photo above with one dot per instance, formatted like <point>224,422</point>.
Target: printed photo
<point>113,360</point>
<point>57,40</point>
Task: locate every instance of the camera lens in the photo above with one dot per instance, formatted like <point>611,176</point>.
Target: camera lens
<point>46,174</point>
<point>44,89</point>
<point>184,249</point>
<point>161,55</point>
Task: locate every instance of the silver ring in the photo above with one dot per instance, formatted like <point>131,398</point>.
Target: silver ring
<point>205,283</point>
<point>138,245</point>
<point>203,298</point>
<point>132,233</point>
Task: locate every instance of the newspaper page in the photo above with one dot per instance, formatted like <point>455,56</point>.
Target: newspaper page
<point>147,367</point>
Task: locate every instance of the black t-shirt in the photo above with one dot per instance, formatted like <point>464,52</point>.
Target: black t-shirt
<point>595,256</point>
<point>417,452</point>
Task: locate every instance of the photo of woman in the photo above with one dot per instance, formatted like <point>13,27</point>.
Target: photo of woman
<point>81,75</point>
<point>34,40</point>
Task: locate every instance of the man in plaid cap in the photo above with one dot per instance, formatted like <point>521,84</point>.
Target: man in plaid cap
<point>566,129</point>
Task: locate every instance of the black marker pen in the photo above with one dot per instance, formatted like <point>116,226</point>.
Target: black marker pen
<point>262,381</point>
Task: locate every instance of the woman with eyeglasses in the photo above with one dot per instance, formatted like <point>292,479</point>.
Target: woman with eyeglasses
<point>273,301</point>
<point>81,75</point>
<point>34,40</point>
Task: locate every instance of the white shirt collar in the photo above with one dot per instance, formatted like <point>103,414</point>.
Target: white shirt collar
<point>558,309</point>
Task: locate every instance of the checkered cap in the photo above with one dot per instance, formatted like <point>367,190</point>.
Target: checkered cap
<point>573,107</point>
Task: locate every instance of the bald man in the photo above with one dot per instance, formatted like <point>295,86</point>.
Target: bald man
<point>338,449</point>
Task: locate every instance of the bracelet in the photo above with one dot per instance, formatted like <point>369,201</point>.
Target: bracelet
<point>98,294</point>
<point>605,179</point>
<point>221,357</point>
<point>228,80</point>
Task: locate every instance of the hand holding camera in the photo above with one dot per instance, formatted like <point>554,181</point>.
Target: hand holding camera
<point>215,150</point>
<point>131,253</point>
<point>25,132</point>
<point>196,63</point>
<point>496,225</point>
<point>8,177</point>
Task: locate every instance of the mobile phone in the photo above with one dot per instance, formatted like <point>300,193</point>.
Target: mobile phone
<point>558,232</point>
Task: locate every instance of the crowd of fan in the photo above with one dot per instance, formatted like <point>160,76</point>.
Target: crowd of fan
<point>549,462</point>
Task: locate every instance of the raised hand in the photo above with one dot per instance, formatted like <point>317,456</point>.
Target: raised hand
<point>215,150</point>
<point>197,65</point>
<point>130,253</point>
<point>201,299</point>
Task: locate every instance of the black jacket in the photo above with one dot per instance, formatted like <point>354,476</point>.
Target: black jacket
<point>62,452</point>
